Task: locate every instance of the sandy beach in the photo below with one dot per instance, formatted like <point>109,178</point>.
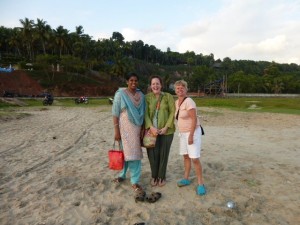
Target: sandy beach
<point>54,170</point>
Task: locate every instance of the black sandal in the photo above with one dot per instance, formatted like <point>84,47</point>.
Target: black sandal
<point>118,180</point>
<point>140,196</point>
<point>153,197</point>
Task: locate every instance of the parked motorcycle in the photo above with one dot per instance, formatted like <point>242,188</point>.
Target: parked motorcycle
<point>82,99</point>
<point>48,100</point>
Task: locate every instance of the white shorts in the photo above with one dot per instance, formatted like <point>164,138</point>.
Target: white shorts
<point>192,150</point>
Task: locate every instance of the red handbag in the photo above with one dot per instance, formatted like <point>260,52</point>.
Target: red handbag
<point>116,158</point>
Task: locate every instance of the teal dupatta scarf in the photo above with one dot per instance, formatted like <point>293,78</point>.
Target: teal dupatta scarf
<point>135,113</point>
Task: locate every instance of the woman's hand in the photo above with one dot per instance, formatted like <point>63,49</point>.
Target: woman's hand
<point>163,131</point>
<point>154,130</point>
<point>117,134</point>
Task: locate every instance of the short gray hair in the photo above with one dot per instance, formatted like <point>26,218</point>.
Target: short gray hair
<point>181,83</point>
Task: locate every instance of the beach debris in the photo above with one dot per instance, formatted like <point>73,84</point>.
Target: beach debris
<point>231,204</point>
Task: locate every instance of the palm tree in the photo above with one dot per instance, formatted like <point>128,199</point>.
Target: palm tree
<point>277,86</point>
<point>42,32</point>
<point>15,40</point>
<point>61,37</point>
<point>76,44</point>
<point>79,30</point>
<point>27,32</point>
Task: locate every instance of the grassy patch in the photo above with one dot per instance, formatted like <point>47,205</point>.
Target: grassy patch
<point>68,102</point>
<point>275,105</point>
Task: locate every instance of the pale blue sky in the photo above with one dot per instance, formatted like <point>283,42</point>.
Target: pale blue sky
<point>240,29</point>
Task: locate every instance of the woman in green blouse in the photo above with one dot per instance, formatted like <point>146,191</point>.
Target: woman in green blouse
<point>159,117</point>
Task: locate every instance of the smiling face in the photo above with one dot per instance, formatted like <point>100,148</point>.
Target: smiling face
<point>156,86</point>
<point>132,83</point>
<point>180,90</point>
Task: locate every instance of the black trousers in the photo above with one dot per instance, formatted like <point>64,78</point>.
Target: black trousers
<point>159,155</point>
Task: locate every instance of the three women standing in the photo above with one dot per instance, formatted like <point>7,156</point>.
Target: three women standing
<point>157,110</point>
<point>159,117</point>
<point>128,115</point>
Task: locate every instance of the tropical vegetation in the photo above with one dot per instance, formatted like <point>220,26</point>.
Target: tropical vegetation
<point>36,45</point>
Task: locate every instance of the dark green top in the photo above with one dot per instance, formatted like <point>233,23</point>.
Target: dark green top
<point>166,111</point>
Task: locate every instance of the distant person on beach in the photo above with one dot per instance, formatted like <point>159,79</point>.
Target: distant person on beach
<point>128,112</point>
<point>190,136</point>
<point>159,117</point>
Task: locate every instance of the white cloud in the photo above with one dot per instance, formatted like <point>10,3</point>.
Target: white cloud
<point>272,45</point>
<point>145,35</point>
<point>268,46</point>
<point>156,36</point>
<point>255,30</point>
<point>195,29</point>
<point>101,35</point>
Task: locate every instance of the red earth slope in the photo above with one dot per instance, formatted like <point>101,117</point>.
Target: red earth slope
<point>19,83</point>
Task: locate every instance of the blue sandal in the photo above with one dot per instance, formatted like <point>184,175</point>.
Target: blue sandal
<point>201,190</point>
<point>183,182</point>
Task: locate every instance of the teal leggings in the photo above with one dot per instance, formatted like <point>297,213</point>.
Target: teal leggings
<point>135,168</point>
